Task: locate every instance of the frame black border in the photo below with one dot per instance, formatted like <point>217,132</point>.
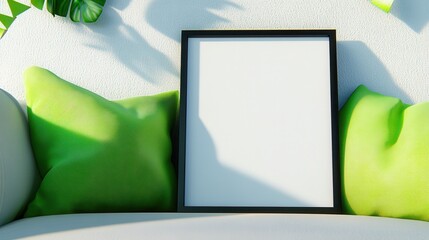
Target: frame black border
<point>181,138</point>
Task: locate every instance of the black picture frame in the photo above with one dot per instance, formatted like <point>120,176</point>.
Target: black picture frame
<point>209,178</point>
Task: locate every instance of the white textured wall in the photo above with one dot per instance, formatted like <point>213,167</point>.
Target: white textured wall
<point>134,48</point>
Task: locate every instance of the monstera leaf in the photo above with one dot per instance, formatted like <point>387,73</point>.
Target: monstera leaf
<point>86,11</point>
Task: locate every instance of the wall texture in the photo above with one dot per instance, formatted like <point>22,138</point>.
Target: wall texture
<point>134,48</point>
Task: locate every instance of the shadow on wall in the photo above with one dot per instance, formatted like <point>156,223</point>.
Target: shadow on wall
<point>227,184</point>
<point>357,64</point>
<point>171,16</point>
<point>129,46</point>
<point>415,13</point>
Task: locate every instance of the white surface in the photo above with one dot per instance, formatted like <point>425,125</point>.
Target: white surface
<point>213,226</point>
<point>18,174</point>
<point>134,49</point>
<point>242,104</point>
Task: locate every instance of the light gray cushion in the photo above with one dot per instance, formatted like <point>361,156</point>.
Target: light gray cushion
<point>213,226</point>
<point>18,173</point>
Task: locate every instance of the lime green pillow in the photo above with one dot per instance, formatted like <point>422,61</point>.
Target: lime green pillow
<point>96,155</point>
<point>385,156</point>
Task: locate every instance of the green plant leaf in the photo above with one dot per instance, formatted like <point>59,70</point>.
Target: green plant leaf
<point>2,32</point>
<point>17,8</point>
<point>86,10</point>
<point>61,7</point>
<point>50,6</point>
<point>38,3</point>
<point>384,5</point>
<point>6,20</point>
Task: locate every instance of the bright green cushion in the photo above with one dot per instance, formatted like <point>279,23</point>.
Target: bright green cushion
<point>385,156</point>
<point>97,155</point>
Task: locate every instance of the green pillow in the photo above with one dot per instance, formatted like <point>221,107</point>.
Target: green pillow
<point>96,155</point>
<point>385,156</point>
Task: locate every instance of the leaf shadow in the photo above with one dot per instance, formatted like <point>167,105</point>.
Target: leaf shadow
<point>171,16</point>
<point>357,65</point>
<point>415,13</point>
<point>223,186</point>
<point>129,46</point>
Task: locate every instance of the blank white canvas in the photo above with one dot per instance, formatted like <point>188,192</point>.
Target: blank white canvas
<point>259,122</point>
